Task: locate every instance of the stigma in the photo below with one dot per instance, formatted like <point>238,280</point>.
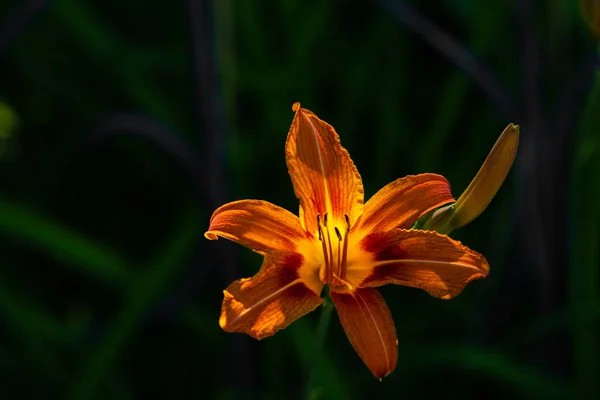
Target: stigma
<point>334,244</point>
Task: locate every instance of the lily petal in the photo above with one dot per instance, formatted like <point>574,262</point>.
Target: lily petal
<point>400,203</point>
<point>370,328</point>
<point>422,259</point>
<point>256,224</point>
<point>272,299</point>
<point>324,177</point>
<point>488,180</point>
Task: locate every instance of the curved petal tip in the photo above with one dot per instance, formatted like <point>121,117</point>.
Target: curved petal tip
<point>210,236</point>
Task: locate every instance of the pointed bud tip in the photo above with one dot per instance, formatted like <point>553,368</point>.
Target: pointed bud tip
<point>512,130</point>
<point>296,106</point>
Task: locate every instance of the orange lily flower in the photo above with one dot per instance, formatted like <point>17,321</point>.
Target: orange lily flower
<point>339,241</point>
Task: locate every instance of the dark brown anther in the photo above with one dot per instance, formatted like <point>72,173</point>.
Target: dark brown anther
<point>319,227</point>
<point>347,222</point>
<point>325,220</point>
<point>337,232</point>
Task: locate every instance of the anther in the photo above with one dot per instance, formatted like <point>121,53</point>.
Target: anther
<point>347,222</point>
<point>337,232</point>
<point>319,227</point>
<point>325,220</point>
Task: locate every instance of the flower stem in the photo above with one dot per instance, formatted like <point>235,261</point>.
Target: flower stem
<point>311,391</point>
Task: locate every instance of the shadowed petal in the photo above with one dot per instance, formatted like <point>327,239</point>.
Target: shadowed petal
<point>256,224</point>
<point>322,172</point>
<point>272,299</point>
<point>370,328</point>
<point>422,259</point>
<point>400,203</point>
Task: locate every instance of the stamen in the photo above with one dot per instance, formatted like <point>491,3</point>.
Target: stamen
<point>324,247</point>
<point>330,275</point>
<point>333,272</point>
<point>339,251</point>
<point>345,251</point>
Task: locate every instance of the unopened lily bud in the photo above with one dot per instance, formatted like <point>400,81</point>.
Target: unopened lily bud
<point>480,191</point>
<point>438,220</point>
<point>488,180</point>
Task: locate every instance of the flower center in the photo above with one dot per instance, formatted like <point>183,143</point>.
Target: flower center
<point>335,252</point>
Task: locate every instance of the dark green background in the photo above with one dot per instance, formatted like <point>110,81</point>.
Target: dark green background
<point>123,125</point>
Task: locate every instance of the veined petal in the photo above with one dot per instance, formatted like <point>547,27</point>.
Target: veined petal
<point>272,299</point>
<point>422,259</point>
<point>400,203</point>
<point>322,172</point>
<point>488,180</point>
<point>370,328</point>
<point>256,224</point>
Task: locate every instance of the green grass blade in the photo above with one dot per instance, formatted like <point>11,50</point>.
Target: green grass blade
<point>21,225</point>
<point>146,290</point>
<point>524,380</point>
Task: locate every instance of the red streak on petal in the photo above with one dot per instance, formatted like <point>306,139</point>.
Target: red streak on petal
<point>289,264</point>
<point>382,247</point>
<point>292,260</point>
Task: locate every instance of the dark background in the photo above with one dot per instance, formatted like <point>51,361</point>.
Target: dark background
<point>124,124</point>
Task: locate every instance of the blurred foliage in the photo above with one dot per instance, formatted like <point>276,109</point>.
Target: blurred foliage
<point>591,12</point>
<point>124,124</point>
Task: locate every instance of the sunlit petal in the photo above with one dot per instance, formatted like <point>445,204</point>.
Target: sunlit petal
<point>272,299</point>
<point>370,328</point>
<point>256,224</point>
<point>422,259</point>
<point>400,203</point>
<point>322,172</point>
